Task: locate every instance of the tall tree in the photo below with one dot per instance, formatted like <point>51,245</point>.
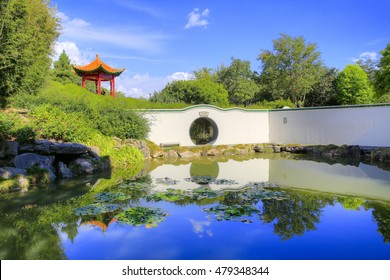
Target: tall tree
<point>62,71</point>
<point>382,76</point>
<point>28,30</point>
<point>324,92</point>
<point>238,80</point>
<point>353,86</point>
<point>291,69</point>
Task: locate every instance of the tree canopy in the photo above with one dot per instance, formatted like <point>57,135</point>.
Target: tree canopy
<point>200,91</point>
<point>237,79</point>
<point>28,30</point>
<point>353,86</point>
<point>291,69</point>
<point>382,76</point>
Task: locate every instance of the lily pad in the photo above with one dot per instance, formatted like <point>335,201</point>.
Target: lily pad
<point>166,181</point>
<point>233,213</point>
<point>201,180</point>
<point>110,197</point>
<point>96,209</point>
<point>138,216</point>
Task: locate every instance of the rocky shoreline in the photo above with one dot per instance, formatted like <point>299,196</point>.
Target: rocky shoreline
<point>44,161</point>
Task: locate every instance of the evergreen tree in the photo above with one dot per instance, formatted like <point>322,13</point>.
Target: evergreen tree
<point>62,71</point>
<point>28,30</point>
<point>353,86</point>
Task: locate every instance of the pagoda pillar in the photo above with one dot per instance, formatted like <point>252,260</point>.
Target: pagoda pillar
<point>112,87</point>
<point>83,82</point>
<point>99,85</point>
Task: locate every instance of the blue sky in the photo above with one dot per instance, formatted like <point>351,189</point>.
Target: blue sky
<point>160,41</point>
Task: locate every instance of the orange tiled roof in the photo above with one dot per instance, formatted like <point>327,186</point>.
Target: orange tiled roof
<point>97,66</point>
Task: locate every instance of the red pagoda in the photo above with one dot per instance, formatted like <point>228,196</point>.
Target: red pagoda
<point>98,71</point>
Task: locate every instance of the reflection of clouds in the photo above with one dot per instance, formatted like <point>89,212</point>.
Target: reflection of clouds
<point>199,227</point>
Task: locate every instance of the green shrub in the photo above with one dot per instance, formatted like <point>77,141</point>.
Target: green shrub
<point>384,98</point>
<point>111,116</point>
<point>53,123</point>
<point>6,126</point>
<point>25,134</point>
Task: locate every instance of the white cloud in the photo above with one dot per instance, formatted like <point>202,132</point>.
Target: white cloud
<point>141,85</point>
<point>366,56</point>
<point>197,18</point>
<point>200,227</point>
<point>72,51</point>
<point>77,29</point>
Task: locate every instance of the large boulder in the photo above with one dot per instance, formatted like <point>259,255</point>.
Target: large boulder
<point>8,149</point>
<point>171,154</point>
<point>28,160</point>
<point>10,172</point>
<point>47,147</point>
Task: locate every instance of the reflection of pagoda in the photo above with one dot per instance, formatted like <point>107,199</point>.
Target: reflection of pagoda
<point>101,224</point>
<point>98,71</point>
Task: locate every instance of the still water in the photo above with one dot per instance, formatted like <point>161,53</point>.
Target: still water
<point>259,207</point>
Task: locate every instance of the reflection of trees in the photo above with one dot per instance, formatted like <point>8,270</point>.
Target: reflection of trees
<point>296,215</point>
<point>381,215</point>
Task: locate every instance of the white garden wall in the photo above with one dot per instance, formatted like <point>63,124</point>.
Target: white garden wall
<point>365,126</point>
<point>235,126</point>
<point>353,125</point>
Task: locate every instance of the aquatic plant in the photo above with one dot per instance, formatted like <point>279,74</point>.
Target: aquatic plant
<point>138,216</point>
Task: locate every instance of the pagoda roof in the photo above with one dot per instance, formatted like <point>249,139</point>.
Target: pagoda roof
<point>97,66</point>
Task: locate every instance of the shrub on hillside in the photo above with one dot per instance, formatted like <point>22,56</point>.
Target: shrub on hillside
<point>111,116</point>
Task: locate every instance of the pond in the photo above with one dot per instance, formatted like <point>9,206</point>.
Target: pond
<point>248,207</point>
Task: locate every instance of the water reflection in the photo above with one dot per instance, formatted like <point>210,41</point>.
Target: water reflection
<point>256,208</point>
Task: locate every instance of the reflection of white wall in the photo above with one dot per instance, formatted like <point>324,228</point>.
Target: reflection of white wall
<point>234,125</point>
<point>336,178</point>
<point>366,126</point>
<point>255,170</point>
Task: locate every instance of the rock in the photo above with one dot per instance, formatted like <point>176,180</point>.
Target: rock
<point>157,154</point>
<point>172,154</point>
<point>23,183</point>
<point>186,154</point>
<point>95,150</point>
<point>213,152</point>
<point>242,151</point>
<point>69,149</point>
<point>8,149</point>
<point>276,149</point>
<point>258,149</point>
<point>9,172</point>
<point>382,155</point>
<point>145,151</point>
<point>28,160</point>
<point>354,151</point>
<point>64,171</point>
<point>47,147</point>
<point>82,166</point>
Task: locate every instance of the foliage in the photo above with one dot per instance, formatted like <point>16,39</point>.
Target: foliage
<point>12,127</point>
<point>201,91</point>
<point>62,71</point>
<point>28,30</point>
<point>384,99</point>
<point>276,104</point>
<point>353,86</point>
<point>110,116</point>
<point>201,131</point>
<point>138,216</point>
<point>382,76</point>
<point>291,69</point>
<point>237,79</point>
<point>324,91</point>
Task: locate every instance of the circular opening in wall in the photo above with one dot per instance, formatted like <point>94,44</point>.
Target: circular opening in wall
<point>203,131</point>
